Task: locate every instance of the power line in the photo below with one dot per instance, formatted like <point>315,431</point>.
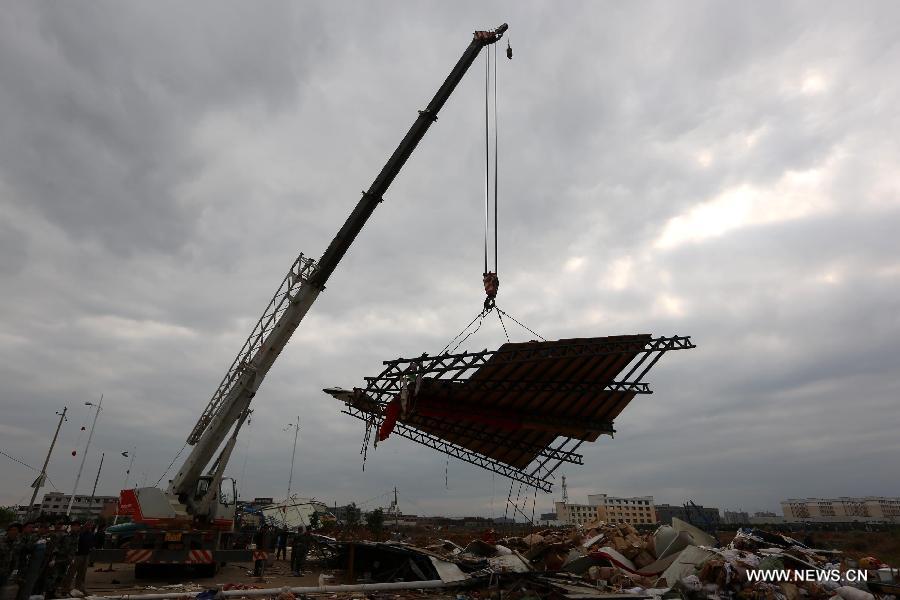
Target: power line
<point>14,459</point>
<point>24,464</point>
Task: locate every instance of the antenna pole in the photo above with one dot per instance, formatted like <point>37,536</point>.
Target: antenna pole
<point>84,456</point>
<point>293,456</point>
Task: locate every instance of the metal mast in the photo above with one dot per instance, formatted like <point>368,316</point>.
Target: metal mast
<point>84,456</point>
<point>97,478</point>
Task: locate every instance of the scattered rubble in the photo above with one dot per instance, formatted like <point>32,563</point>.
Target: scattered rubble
<point>598,561</point>
<point>611,560</point>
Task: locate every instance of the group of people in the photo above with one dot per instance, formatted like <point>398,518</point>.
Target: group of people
<point>44,559</point>
<point>300,543</point>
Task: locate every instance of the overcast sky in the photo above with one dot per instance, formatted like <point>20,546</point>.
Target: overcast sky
<point>724,170</point>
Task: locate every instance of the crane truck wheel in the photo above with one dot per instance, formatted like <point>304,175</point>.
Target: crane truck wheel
<point>143,570</point>
<point>207,570</point>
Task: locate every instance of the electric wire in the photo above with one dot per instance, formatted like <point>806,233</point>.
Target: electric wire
<point>171,463</point>
<point>246,448</point>
<point>14,459</point>
<point>24,464</point>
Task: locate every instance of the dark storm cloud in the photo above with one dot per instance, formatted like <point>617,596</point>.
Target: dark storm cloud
<point>722,171</point>
<point>99,102</point>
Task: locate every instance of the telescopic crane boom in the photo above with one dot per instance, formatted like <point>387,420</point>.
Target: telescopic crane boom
<point>229,405</point>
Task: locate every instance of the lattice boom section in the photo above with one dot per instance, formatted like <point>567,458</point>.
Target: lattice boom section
<point>300,271</point>
<point>462,454</point>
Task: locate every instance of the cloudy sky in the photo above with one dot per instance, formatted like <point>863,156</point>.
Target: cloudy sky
<point>723,170</point>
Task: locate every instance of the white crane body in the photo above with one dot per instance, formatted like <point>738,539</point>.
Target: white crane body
<point>194,516</point>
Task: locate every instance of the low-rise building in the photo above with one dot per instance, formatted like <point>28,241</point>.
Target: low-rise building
<point>550,519</point>
<point>766,518</point>
<point>22,512</point>
<point>695,514</point>
<point>737,517</point>
<point>83,508</point>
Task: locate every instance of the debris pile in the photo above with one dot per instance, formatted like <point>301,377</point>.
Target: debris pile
<point>682,561</point>
<point>675,561</point>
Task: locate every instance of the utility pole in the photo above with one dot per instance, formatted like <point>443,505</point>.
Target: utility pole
<point>396,512</point>
<point>39,482</point>
<point>293,456</point>
<point>97,478</point>
<point>84,456</point>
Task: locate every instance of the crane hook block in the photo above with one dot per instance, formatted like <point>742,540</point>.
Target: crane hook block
<point>508,50</point>
<point>491,286</point>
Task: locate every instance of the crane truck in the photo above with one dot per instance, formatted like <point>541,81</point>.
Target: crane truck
<point>192,520</point>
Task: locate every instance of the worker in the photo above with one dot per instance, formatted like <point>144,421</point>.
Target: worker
<point>71,546</point>
<point>299,550</point>
<point>281,545</point>
<point>31,558</point>
<point>61,561</point>
<point>46,583</point>
<point>9,553</point>
<point>264,544</point>
<point>99,536</point>
<point>83,555</point>
<point>48,536</point>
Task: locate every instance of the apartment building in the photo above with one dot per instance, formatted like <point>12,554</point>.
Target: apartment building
<point>636,510</point>
<point>575,514</point>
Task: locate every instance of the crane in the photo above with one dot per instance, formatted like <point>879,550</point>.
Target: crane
<point>196,511</point>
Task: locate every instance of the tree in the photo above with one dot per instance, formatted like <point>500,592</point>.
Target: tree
<point>353,515</point>
<point>314,520</point>
<point>375,522</point>
<point>7,515</point>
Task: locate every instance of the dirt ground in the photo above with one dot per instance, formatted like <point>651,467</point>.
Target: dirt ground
<point>176,578</point>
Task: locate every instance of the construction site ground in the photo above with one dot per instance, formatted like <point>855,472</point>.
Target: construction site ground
<point>121,579</point>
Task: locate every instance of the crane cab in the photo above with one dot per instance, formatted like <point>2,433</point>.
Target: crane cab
<point>222,508</point>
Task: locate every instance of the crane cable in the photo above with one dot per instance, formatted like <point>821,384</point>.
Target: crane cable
<point>487,154</point>
<point>496,159</point>
<point>158,481</point>
<point>489,278</point>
